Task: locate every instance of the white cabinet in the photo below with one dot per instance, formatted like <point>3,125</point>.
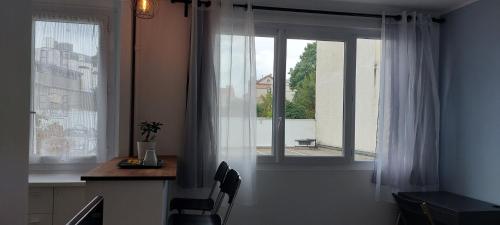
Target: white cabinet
<point>54,205</point>
<point>68,201</point>
<point>41,200</point>
<point>40,219</point>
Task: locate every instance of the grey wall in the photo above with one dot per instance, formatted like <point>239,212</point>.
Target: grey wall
<point>470,85</point>
<point>15,61</point>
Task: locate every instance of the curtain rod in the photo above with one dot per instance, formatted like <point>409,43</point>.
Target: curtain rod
<point>312,11</point>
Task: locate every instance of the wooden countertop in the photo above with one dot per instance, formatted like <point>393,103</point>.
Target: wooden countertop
<point>110,171</point>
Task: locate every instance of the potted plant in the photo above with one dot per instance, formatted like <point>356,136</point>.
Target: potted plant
<point>148,133</point>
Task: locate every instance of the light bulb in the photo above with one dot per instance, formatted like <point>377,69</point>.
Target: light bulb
<point>144,5</point>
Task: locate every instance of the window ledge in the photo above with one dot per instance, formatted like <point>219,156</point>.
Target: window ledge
<point>283,166</point>
<point>55,180</point>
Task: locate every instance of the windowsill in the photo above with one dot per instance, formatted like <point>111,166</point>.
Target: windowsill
<point>59,174</point>
<point>52,179</point>
<point>312,166</point>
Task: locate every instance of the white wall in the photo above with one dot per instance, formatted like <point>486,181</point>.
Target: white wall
<point>15,58</point>
<point>294,129</point>
<point>367,94</point>
<point>330,93</point>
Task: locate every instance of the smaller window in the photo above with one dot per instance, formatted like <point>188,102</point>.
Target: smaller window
<point>67,125</point>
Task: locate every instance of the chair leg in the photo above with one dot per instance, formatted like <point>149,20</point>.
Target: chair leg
<point>398,219</point>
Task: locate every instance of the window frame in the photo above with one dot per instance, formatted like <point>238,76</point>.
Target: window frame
<point>107,50</point>
<point>349,36</point>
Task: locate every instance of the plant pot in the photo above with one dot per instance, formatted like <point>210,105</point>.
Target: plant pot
<point>142,147</point>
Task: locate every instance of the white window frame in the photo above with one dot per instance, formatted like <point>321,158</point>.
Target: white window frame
<point>282,32</point>
<point>107,42</point>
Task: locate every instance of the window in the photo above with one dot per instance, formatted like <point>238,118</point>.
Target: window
<point>314,109</point>
<point>323,106</point>
<point>264,52</point>
<point>367,93</point>
<point>68,93</point>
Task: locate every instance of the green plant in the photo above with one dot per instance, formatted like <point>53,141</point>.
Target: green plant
<point>149,130</point>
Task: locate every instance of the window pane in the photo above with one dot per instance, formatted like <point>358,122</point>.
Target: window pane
<point>66,92</point>
<point>314,98</point>
<point>264,53</point>
<point>367,93</point>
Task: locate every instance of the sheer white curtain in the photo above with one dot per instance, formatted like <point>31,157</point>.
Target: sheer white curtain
<point>69,90</point>
<point>237,104</point>
<point>408,125</point>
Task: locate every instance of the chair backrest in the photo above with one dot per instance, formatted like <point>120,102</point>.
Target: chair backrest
<point>91,214</point>
<point>220,174</point>
<point>413,212</point>
<point>230,188</point>
<point>232,185</point>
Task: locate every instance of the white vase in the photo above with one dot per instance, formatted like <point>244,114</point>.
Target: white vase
<point>142,147</point>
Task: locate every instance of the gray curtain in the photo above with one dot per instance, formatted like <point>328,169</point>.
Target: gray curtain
<point>408,123</point>
<point>199,158</point>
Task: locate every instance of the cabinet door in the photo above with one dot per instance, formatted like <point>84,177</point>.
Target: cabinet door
<point>68,201</point>
<point>40,219</point>
<point>40,200</point>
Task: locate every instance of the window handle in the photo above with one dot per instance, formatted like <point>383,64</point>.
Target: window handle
<point>279,121</point>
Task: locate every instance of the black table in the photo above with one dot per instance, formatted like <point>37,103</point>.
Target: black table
<point>453,209</point>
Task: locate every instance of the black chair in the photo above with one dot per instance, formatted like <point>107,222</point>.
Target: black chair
<point>413,212</point>
<point>230,188</point>
<point>91,214</point>
<point>203,205</point>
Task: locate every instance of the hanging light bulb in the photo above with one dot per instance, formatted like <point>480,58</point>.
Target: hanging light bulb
<point>145,9</point>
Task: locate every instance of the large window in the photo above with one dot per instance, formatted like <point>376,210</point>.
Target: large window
<point>68,92</point>
<point>317,94</point>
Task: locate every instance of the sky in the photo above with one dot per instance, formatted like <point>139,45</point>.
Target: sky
<point>264,53</point>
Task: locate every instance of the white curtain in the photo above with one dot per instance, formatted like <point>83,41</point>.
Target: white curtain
<point>220,111</point>
<point>408,125</point>
<point>69,86</point>
<point>236,84</point>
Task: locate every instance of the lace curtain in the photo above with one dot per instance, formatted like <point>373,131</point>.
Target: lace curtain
<point>69,83</point>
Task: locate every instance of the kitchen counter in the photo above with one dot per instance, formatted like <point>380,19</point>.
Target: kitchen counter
<point>110,171</point>
<point>132,196</point>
